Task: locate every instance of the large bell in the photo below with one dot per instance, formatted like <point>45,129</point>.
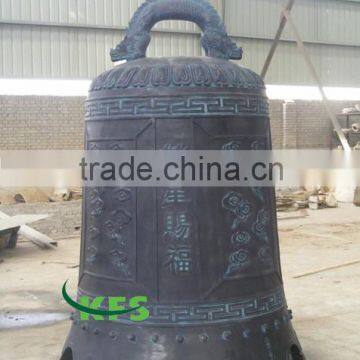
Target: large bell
<point>206,258</point>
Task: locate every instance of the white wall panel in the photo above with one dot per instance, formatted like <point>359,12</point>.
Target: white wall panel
<point>33,51</point>
<point>80,12</point>
<point>69,39</point>
<point>327,21</point>
<point>336,65</point>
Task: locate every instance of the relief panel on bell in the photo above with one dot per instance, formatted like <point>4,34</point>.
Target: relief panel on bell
<point>177,244</point>
<point>110,228</point>
<point>177,226</point>
<point>111,234</point>
<point>248,237</point>
<point>234,222</point>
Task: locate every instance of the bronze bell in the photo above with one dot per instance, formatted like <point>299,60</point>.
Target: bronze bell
<point>206,258</point>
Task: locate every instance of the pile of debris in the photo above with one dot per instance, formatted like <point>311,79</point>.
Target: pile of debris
<point>66,195</point>
<point>303,199</point>
<point>36,195</point>
<point>351,110</point>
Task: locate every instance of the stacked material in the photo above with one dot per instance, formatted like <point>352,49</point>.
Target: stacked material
<point>315,200</point>
<point>284,203</point>
<point>351,110</point>
<point>357,197</point>
<point>292,200</point>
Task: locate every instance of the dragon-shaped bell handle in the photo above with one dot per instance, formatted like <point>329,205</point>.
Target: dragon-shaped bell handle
<point>215,40</point>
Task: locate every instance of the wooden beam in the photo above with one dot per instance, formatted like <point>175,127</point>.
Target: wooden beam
<point>317,80</point>
<point>275,43</point>
<point>39,239</point>
<point>335,267</point>
<point>19,220</point>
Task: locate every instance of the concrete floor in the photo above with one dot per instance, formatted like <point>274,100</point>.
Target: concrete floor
<point>326,305</point>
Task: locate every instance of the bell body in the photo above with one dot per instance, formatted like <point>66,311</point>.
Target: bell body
<point>206,258</point>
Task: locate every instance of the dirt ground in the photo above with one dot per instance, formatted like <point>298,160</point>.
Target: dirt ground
<point>326,305</point>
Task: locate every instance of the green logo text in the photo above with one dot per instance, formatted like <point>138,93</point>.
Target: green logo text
<point>116,307</point>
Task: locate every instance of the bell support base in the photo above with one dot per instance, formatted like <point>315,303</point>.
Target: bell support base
<point>264,338</point>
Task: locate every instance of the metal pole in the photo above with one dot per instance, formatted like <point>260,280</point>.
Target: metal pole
<point>317,79</point>
<point>275,44</point>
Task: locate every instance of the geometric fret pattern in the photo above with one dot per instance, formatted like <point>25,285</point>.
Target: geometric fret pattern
<point>184,106</point>
<point>210,313</point>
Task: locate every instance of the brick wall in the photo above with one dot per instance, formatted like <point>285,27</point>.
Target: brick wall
<point>41,122</point>
<point>307,124</point>
<point>277,130</point>
<point>33,122</point>
<point>65,217</point>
